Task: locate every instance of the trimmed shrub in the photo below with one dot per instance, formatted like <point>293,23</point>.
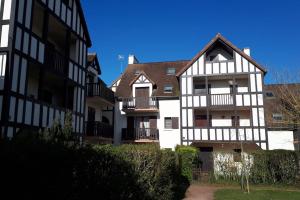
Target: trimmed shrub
<point>188,156</point>
<point>43,169</point>
<point>272,167</point>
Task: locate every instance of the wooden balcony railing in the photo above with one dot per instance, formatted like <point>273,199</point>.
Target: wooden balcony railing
<point>99,129</point>
<point>140,134</point>
<point>140,103</point>
<point>99,89</point>
<point>55,61</point>
<point>221,99</point>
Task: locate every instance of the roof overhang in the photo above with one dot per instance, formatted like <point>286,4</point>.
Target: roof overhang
<point>220,38</point>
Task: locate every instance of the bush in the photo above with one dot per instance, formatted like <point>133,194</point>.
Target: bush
<point>158,170</point>
<point>272,167</point>
<point>44,169</point>
<point>188,156</point>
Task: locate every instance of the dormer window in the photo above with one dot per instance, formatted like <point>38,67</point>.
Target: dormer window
<point>171,71</point>
<point>137,72</point>
<point>168,88</point>
<point>277,116</point>
<point>269,94</point>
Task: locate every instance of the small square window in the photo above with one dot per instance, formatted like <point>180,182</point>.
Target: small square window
<point>137,72</point>
<point>269,94</point>
<point>277,116</point>
<point>171,71</point>
<point>168,88</point>
<point>168,123</point>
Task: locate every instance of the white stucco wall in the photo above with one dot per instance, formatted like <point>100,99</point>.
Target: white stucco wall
<point>281,140</point>
<point>168,138</point>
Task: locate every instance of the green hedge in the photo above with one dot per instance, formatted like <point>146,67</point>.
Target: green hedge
<point>39,169</point>
<point>273,167</point>
<point>188,156</point>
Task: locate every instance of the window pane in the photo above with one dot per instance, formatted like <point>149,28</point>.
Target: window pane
<point>168,88</point>
<point>171,71</point>
<point>168,122</point>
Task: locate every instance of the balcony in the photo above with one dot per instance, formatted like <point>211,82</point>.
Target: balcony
<point>55,61</point>
<point>140,134</point>
<point>221,99</point>
<point>140,104</point>
<point>99,129</point>
<point>100,90</point>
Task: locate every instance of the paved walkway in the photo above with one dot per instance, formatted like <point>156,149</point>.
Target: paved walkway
<point>199,192</point>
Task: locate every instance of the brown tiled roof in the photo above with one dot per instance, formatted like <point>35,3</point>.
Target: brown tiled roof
<point>272,104</point>
<point>157,72</point>
<point>219,37</point>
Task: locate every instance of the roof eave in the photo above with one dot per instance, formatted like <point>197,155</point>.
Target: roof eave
<point>216,38</point>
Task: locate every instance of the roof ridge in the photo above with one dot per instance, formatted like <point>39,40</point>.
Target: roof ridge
<point>161,62</point>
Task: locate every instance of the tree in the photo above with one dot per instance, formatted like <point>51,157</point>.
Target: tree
<point>286,101</point>
<point>60,133</point>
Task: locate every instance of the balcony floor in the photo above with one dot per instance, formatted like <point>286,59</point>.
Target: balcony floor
<point>141,141</point>
<point>149,110</point>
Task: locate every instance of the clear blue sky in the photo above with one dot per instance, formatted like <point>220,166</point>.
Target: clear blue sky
<point>165,30</point>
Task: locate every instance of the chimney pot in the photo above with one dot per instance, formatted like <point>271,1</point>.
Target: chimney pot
<point>132,59</point>
<point>247,51</point>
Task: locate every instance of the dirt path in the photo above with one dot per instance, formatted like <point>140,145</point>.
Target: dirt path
<point>199,192</point>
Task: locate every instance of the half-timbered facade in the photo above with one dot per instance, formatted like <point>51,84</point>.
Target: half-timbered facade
<point>222,96</point>
<point>217,96</point>
<point>43,64</point>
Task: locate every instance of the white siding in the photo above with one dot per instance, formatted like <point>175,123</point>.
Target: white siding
<point>4,36</point>
<point>183,85</point>
<point>259,82</point>
<point>20,111</point>
<point>6,9</point>
<point>12,108</point>
<point>281,140</point>
<point>238,62</point>
<point>15,73</point>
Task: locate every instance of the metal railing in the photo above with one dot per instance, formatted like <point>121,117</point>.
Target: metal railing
<point>55,61</point>
<point>99,89</point>
<point>140,134</point>
<point>221,99</point>
<point>140,103</point>
<point>99,129</point>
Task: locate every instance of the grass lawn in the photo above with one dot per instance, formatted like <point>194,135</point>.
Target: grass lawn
<point>235,194</point>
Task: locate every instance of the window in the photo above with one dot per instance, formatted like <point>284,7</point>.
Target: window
<point>277,116</point>
<point>235,121</point>
<point>269,94</point>
<point>199,88</point>
<point>237,157</point>
<point>171,71</point>
<point>211,58</point>
<point>171,123</point>
<point>168,88</point>
<point>137,72</point>
<point>168,123</point>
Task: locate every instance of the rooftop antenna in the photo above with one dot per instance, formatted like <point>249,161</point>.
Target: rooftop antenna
<point>121,59</point>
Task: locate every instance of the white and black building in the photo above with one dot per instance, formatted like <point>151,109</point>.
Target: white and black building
<point>43,56</point>
<point>214,101</point>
